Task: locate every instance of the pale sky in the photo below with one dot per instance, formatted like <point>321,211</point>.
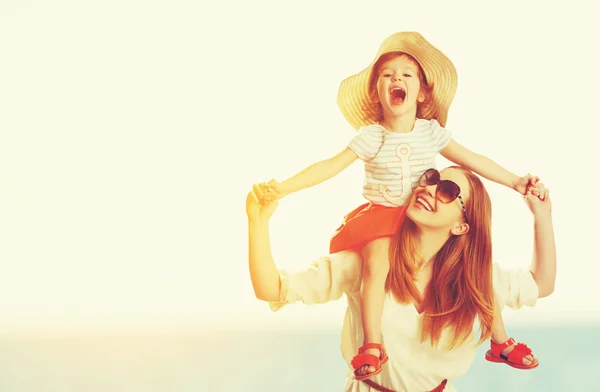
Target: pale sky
<point>131,131</point>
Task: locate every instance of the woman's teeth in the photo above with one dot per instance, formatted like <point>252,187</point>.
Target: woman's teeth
<point>425,204</point>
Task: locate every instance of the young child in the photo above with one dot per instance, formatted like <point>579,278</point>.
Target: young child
<point>399,105</point>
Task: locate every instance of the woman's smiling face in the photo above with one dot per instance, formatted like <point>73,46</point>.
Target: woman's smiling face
<point>427,211</point>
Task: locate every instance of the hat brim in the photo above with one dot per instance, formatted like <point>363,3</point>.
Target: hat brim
<point>353,95</point>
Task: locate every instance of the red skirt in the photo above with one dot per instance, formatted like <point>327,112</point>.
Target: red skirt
<point>365,224</point>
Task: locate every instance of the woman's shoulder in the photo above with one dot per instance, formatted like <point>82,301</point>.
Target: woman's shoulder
<point>347,265</point>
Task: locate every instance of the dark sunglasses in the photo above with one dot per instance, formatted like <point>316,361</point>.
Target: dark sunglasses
<point>447,191</point>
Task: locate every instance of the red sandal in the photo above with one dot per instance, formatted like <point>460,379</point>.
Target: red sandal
<point>514,358</point>
<point>362,359</point>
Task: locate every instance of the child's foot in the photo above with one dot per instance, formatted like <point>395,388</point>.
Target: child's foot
<point>367,369</point>
<point>517,355</point>
<point>369,361</point>
<point>527,359</point>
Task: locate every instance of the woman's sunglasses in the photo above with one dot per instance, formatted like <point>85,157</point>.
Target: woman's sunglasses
<point>447,191</point>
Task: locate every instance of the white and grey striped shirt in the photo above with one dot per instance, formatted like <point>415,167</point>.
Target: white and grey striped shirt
<point>395,161</point>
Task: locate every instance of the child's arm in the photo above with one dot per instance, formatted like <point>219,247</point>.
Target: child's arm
<point>316,173</point>
<point>486,168</point>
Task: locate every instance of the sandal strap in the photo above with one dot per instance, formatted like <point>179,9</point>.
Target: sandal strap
<point>517,354</point>
<point>376,346</point>
<point>498,347</point>
<point>365,359</point>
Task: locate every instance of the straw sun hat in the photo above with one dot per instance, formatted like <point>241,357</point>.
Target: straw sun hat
<point>353,96</point>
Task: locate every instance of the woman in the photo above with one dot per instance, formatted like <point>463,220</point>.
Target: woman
<point>439,287</point>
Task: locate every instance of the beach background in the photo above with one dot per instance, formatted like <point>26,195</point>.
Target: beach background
<point>266,361</point>
<point>131,131</point>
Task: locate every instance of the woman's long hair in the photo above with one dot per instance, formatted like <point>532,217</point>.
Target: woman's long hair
<point>461,284</point>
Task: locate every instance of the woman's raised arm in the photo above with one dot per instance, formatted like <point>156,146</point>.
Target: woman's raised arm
<point>324,280</point>
<point>263,271</point>
<point>543,266</point>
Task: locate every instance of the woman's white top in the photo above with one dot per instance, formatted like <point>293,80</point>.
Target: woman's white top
<point>414,366</point>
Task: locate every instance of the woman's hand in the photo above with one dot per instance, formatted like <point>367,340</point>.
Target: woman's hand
<point>538,200</point>
<point>265,193</point>
<point>257,211</point>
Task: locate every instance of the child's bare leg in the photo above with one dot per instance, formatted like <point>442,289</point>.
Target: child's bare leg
<point>376,266</point>
<point>499,335</point>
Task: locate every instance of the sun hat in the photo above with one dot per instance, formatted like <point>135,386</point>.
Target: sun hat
<point>353,95</point>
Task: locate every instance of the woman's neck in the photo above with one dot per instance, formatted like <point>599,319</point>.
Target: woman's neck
<point>429,243</point>
<point>404,124</point>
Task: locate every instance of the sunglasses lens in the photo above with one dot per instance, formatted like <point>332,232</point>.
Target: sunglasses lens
<point>430,177</point>
<point>447,191</point>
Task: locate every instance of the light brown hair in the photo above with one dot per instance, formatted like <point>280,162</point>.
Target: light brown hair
<point>461,284</point>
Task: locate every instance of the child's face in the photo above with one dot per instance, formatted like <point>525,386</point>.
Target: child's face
<point>399,87</point>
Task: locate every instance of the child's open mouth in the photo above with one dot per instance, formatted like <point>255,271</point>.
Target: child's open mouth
<point>397,95</point>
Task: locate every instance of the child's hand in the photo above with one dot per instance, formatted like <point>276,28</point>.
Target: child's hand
<point>257,210</point>
<point>539,190</point>
<point>265,193</point>
<point>525,183</point>
<point>276,186</point>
